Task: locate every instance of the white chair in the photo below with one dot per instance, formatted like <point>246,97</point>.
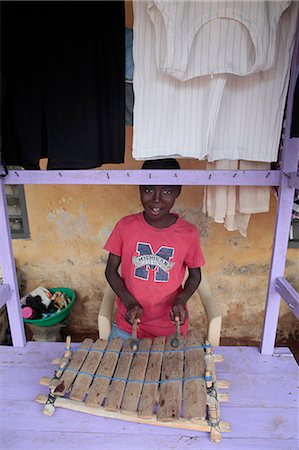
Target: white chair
<point>212,311</point>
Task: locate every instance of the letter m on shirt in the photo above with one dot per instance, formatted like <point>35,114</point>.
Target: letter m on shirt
<point>159,262</point>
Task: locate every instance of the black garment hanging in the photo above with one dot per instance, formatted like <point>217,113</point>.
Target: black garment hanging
<point>64,68</point>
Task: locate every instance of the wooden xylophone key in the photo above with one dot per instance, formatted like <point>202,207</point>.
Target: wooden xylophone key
<point>117,386</point>
<point>88,369</point>
<point>170,392</point>
<point>150,388</point>
<point>194,390</point>
<point>105,371</point>
<point>72,369</point>
<point>137,372</point>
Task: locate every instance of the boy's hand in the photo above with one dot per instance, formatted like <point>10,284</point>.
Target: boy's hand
<point>134,311</point>
<point>178,310</point>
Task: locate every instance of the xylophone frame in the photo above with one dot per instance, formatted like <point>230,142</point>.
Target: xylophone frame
<point>152,385</point>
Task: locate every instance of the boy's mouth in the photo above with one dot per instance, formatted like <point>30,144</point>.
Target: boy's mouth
<point>155,211</point>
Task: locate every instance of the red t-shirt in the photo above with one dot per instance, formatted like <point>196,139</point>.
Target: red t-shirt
<point>153,266</point>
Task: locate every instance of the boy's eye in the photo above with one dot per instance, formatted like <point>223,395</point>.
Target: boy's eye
<point>148,189</point>
<point>167,191</point>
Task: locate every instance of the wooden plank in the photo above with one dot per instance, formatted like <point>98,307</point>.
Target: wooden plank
<point>218,358</point>
<point>71,371</point>
<point>73,405</point>
<point>276,423</point>
<point>263,408</point>
<point>250,360</point>
<point>271,411</point>
<point>137,372</point>
<point>24,440</point>
<point>34,354</point>
<point>152,376</point>
<point>223,384</point>
<point>249,390</point>
<point>288,293</point>
<point>170,392</point>
<point>194,391</point>
<point>116,389</point>
<point>105,371</point>
<point>84,380</point>
<point>246,391</point>
<point>137,177</point>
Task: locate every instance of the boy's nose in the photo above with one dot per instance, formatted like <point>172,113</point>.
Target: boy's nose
<point>157,195</point>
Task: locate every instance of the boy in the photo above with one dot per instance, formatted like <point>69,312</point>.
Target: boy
<point>154,248</point>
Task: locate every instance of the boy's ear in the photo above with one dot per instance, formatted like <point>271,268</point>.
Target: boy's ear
<point>179,190</point>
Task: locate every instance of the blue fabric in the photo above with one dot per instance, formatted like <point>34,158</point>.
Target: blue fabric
<point>129,54</point>
<point>118,333</point>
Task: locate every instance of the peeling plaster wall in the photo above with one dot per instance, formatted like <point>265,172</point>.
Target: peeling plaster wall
<point>70,224</point>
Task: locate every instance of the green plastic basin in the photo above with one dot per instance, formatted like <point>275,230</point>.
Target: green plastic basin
<point>55,317</point>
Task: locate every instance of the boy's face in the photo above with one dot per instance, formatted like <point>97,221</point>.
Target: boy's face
<point>157,202</point>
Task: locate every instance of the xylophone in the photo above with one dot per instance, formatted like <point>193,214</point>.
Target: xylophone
<point>157,384</point>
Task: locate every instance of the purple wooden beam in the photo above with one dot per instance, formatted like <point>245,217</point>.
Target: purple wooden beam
<point>288,294</point>
<point>5,294</point>
<point>294,179</point>
<point>9,275</point>
<point>115,177</point>
<point>283,215</point>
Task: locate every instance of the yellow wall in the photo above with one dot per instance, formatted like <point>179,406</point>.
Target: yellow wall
<point>70,224</point>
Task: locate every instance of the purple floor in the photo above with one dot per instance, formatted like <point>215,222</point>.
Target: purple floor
<point>262,407</point>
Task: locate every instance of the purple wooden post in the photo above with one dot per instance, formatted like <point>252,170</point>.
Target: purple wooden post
<point>288,294</point>
<point>283,216</point>
<point>9,275</point>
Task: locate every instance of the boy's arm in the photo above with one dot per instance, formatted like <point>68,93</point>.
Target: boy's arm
<point>179,304</point>
<point>134,309</point>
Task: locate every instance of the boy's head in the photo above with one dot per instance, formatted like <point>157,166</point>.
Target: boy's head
<point>158,200</point>
<point>163,164</point>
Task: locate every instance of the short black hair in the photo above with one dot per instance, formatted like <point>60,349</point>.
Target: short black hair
<point>167,163</point>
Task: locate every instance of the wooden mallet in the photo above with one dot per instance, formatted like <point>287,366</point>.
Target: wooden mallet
<point>175,342</point>
<point>134,344</point>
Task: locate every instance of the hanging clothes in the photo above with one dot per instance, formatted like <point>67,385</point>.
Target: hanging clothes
<point>64,67</point>
<point>198,38</point>
<point>169,117</point>
<point>233,205</point>
<point>251,113</point>
<point>220,115</point>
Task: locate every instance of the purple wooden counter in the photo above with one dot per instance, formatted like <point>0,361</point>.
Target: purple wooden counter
<point>262,408</point>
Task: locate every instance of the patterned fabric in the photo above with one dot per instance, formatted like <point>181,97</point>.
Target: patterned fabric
<point>198,38</point>
<point>219,114</point>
